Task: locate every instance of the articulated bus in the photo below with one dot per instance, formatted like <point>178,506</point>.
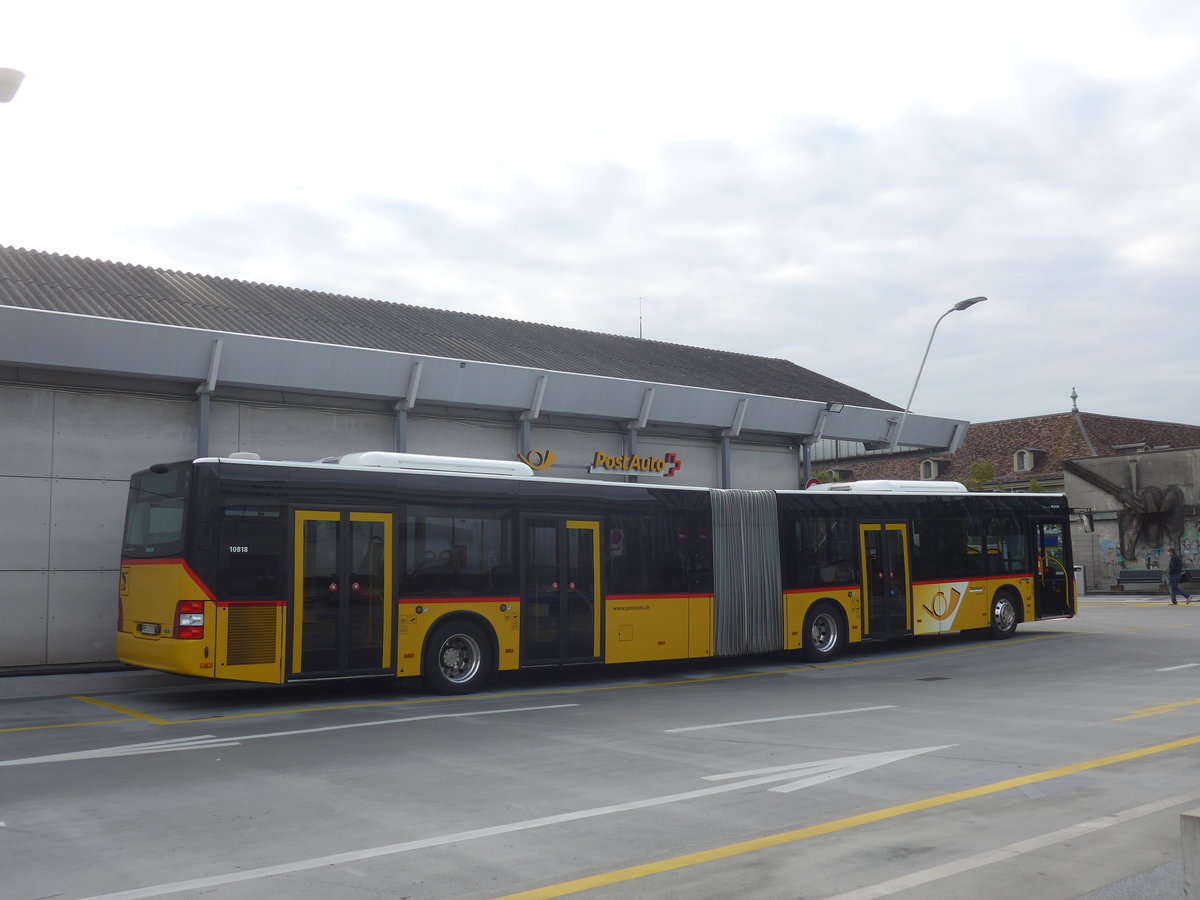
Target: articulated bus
<point>452,570</point>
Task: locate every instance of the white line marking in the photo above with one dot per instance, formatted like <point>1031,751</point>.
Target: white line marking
<point>847,765</point>
<point>835,712</point>
<point>1001,854</point>
<point>1184,666</point>
<point>205,741</point>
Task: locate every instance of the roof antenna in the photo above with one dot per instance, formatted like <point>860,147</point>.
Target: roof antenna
<point>639,318</point>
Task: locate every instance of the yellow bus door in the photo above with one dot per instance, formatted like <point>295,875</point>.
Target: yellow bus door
<point>560,591</point>
<point>341,600</point>
<point>886,585</point>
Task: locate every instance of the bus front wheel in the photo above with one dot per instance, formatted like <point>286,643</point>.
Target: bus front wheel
<point>1004,617</point>
<point>824,633</point>
<point>458,658</point>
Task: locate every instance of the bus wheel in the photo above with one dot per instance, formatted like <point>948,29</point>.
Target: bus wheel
<point>824,633</point>
<point>458,658</point>
<point>1004,616</point>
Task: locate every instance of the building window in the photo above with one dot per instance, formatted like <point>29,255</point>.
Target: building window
<point>1022,461</point>
<point>929,469</point>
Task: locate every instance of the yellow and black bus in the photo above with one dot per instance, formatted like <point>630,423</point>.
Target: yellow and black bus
<point>453,570</point>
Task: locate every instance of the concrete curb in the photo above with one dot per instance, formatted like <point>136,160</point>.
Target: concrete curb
<point>1189,828</point>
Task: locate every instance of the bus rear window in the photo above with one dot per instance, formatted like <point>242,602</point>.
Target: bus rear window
<point>155,517</point>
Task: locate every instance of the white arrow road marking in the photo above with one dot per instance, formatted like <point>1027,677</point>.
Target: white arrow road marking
<point>844,766</point>
<point>206,741</point>
<point>826,769</point>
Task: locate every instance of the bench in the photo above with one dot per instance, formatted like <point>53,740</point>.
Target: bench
<point>1140,576</point>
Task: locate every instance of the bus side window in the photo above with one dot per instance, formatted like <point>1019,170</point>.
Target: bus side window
<point>250,550</point>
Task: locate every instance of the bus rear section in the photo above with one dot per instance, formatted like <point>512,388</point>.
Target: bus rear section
<point>161,605</point>
<point>169,614</point>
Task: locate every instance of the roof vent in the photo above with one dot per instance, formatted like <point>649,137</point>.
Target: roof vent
<point>910,487</point>
<point>416,462</point>
<point>244,454</point>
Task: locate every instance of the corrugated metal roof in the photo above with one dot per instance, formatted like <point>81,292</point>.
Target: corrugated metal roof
<point>34,279</point>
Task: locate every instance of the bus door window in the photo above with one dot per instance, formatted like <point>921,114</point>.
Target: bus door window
<point>885,578</point>
<point>583,588</point>
<point>1052,594</point>
<point>367,594</point>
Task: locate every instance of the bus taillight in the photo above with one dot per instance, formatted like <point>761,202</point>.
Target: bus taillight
<point>189,620</point>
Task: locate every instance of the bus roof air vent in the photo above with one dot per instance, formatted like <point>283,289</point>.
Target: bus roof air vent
<point>417,462</point>
<point>910,487</point>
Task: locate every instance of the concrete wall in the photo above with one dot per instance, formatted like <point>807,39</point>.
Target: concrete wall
<point>65,460</point>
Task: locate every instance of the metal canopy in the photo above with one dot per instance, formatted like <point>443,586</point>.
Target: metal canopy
<point>79,343</point>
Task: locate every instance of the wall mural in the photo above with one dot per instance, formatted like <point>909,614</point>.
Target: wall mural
<point>1149,521</point>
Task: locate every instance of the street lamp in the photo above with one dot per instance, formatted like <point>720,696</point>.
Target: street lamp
<point>10,80</point>
<point>960,305</point>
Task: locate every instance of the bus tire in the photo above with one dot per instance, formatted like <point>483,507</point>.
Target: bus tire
<point>1003,617</point>
<point>458,658</point>
<point>824,633</point>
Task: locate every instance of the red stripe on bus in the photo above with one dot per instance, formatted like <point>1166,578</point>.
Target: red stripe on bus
<point>824,589</point>
<point>975,578</point>
<point>433,600</point>
<point>624,597</point>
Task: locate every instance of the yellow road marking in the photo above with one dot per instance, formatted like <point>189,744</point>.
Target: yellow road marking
<point>1156,710</point>
<point>742,848</point>
<point>63,725</point>
<point>123,710</point>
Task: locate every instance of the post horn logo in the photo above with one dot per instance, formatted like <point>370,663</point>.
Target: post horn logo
<point>538,459</point>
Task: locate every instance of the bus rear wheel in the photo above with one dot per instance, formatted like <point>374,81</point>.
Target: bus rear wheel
<point>1004,616</point>
<point>458,658</point>
<point>824,633</point>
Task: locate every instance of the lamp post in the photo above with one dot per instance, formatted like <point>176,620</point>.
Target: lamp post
<point>960,305</point>
<point>10,80</point>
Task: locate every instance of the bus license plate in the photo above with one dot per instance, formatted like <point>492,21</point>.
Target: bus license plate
<point>152,628</point>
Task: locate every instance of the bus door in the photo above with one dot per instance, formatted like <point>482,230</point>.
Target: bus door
<point>1052,585</point>
<point>560,591</point>
<point>341,609</point>
<point>887,590</point>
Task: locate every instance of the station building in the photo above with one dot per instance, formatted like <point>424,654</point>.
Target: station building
<point>107,368</point>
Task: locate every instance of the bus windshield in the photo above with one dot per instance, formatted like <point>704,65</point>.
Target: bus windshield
<point>157,502</point>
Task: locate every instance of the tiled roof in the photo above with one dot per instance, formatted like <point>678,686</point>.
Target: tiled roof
<point>37,280</point>
<point>1052,439</point>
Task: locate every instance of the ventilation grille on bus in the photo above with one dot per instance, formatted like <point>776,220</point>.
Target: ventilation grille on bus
<point>251,635</point>
<point>749,597</point>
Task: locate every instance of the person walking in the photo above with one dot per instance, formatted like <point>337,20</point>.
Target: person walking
<point>1174,572</point>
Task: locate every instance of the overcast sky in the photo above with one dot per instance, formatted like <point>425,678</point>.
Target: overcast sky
<point>814,181</point>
